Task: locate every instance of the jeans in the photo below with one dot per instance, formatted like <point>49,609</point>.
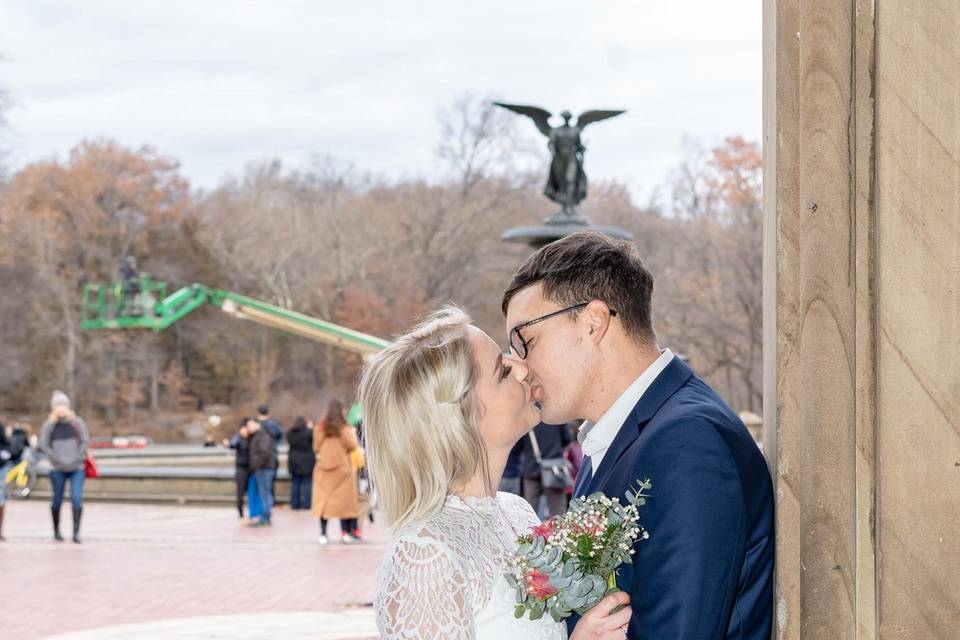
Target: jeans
<point>347,525</point>
<point>264,480</point>
<point>4,469</point>
<point>59,480</point>
<point>301,490</point>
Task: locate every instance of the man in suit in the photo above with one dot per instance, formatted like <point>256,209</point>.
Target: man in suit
<point>578,312</point>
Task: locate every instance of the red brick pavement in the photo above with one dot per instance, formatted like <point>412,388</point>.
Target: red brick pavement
<point>140,563</point>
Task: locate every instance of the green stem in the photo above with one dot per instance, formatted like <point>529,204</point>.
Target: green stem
<point>613,588</point>
<point>612,582</point>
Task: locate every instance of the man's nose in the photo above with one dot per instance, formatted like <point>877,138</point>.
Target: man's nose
<point>520,371</point>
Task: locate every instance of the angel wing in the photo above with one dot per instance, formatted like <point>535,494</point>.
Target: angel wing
<point>538,115</point>
<point>595,115</point>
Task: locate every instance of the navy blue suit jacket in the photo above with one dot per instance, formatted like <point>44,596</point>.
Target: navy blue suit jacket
<point>707,570</point>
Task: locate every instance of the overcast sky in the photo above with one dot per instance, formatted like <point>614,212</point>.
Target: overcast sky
<point>219,83</point>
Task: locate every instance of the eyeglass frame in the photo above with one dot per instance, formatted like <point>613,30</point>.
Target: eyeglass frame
<point>523,325</point>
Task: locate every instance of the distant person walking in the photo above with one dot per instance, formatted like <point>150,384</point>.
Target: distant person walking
<point>334,475</point>
<point>64,439</point>
<point>300,461</point>
<point>6,463</point>
<point>240,443</point>
<point>275,429</point>
<point>263,460</point>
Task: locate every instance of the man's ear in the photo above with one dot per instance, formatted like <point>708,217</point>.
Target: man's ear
<point>597,316</point>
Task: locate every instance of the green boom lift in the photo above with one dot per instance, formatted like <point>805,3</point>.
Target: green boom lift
<point>111,307</point>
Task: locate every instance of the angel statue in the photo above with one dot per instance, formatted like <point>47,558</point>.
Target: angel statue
<point>567,182</point>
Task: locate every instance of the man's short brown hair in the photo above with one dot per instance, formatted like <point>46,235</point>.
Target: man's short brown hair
<point>587,266</point>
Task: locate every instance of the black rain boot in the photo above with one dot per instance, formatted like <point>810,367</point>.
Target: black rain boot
<point>77,513</point>
<point>55,512</point>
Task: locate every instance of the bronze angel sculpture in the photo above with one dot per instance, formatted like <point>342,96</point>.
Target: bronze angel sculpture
<point>567,182</point>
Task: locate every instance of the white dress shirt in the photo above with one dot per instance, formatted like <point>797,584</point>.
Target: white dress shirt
<point>596,438</point>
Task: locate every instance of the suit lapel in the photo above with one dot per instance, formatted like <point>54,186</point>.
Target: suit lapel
<point>674,376</point>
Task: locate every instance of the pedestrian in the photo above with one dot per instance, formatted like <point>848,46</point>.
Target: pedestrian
<point>240,443</point>
<point>542,466</point>
<point>263,460</point>
<point>275,429</point>
<point>6,463</point>
<point>334,475</point>
<point>65,441</point>
<point>300,461</point>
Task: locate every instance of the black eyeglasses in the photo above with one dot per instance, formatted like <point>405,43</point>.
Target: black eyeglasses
<point>519,345</point>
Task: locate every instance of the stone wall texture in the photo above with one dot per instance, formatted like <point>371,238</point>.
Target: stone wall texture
<point>862,310</point>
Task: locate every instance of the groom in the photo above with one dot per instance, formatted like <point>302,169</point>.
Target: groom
<point>578,313</point>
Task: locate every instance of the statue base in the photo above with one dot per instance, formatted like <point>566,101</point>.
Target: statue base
<point>557,226</point>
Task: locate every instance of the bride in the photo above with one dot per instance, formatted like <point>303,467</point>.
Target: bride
<point>442,408</point>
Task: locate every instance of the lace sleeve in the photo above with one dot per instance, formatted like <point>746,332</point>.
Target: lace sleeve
<point>422,593</point>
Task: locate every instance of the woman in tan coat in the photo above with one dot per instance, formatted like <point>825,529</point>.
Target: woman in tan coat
<point>334,476</point>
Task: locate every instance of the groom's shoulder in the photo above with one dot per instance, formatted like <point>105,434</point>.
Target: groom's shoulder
<point>696,417</point>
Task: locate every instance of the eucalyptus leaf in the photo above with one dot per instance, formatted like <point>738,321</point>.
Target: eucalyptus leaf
<point>536,612</point>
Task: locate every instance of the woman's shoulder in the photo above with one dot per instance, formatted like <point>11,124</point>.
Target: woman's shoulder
<point>517,509</point>
<point>420,544</point>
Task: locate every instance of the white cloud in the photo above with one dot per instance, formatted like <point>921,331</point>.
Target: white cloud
<point>217,84</point>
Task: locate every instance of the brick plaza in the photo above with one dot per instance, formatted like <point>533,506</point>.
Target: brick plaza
<point>149,572</point>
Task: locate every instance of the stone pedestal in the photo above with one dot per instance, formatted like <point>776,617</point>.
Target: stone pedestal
<point>862,315</point>
<point>559,226</point>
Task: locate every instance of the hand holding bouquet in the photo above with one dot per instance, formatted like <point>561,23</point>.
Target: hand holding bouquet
<point>569,562</point>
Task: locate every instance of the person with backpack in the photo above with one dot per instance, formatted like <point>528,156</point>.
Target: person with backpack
<point>262,464</point>
<point>275,429</point>
<point>65,441</point>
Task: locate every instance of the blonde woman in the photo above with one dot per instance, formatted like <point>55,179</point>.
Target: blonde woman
<point>442,409</point>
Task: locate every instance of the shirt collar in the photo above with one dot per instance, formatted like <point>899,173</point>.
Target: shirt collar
<point>597,437</point>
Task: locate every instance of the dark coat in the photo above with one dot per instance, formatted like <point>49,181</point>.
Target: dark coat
<point>706,572</point>
<point>273,427</point>
<point>5,454</point>
<point>242,446</point>
<point>301,458</point>
<point>263,455</point>
<point>19,442</point>
<point>552,440</point>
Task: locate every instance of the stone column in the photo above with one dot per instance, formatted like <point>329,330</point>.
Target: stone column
<point>862,314</point>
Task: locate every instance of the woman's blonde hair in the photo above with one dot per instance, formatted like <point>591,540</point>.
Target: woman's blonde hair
<point>420,417</point>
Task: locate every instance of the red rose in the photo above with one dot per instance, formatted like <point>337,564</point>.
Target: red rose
<point>538,585</point>
<point>544,530</point>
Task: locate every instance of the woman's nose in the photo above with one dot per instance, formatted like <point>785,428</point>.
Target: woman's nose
<point>520,371</point>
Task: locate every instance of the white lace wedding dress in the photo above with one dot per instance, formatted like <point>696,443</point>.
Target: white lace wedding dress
<point>443,577</point>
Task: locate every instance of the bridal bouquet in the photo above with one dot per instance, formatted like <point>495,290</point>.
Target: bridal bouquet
<point>569,562</point>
